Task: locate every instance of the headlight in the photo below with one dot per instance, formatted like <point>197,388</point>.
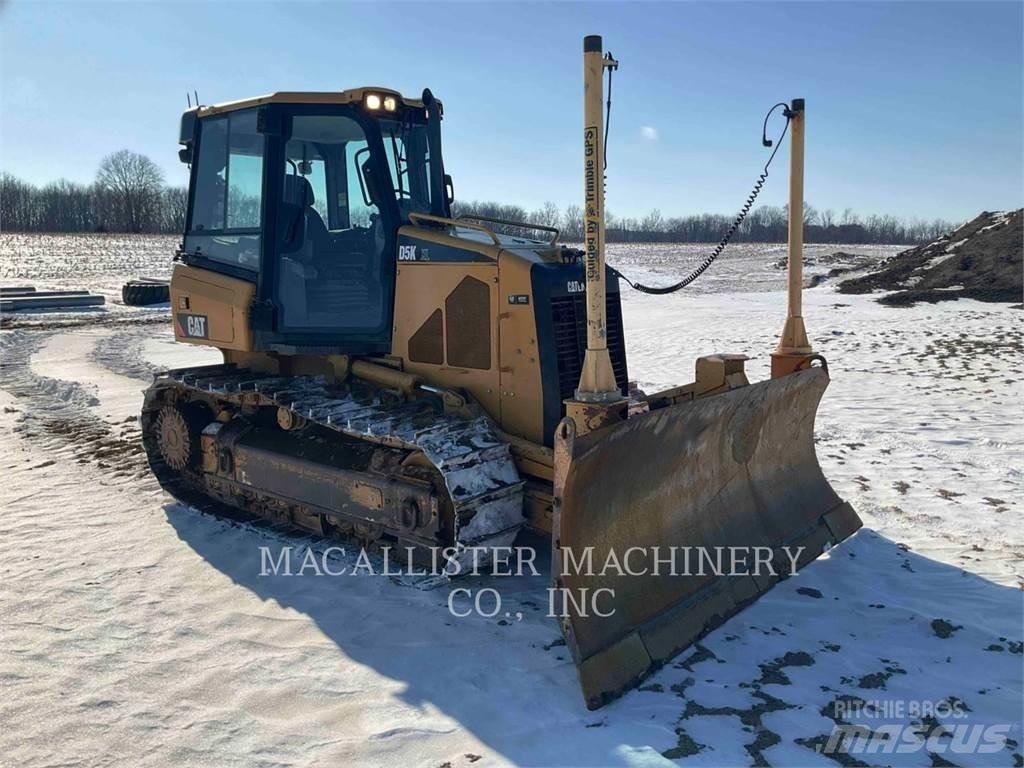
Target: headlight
<point>372,101</point>
<point>390,104</point>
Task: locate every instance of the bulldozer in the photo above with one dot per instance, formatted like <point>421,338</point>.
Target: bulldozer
<point>408,379</point>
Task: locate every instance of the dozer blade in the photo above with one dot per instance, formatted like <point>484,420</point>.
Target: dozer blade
<point>733,470</point>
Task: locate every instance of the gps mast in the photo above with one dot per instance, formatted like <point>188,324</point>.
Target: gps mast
<point>598,398</point>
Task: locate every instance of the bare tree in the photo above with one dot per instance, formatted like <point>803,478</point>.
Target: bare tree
<point>174,204</point>
<point>135,182</point>
<point>810,213</point>
<point>811,216</point>
<point>652,222</point>
<point>572,223</point>
<point>16,204</point>
<point>546,216</point>
<point>493,210</point>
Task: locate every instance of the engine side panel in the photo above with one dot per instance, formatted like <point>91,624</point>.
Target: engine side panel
<point>521,382</point>
<point>446,296</point>
<point>528,337</point>
<point>211,308</point>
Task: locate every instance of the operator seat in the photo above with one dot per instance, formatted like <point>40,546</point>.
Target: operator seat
<point>300,248</point>
<point>322,283</point>
<point>308,222</point>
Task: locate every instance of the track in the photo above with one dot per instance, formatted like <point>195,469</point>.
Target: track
<point>476,469</point>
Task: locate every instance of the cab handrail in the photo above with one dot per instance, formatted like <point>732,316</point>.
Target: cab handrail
<point>555,232</point>
<point>415,217</point>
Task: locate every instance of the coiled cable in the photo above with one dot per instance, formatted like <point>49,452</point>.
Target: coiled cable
<point>744,210</point>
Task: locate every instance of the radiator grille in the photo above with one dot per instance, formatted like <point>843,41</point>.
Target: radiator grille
<point>569,316</point>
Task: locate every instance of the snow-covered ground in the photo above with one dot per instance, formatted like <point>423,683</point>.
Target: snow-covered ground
<point>137,632</point>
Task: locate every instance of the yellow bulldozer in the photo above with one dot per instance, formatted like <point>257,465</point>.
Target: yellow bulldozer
<point>402,378</point>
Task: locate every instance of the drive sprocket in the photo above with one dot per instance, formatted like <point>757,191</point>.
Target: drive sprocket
<point>177,437</point>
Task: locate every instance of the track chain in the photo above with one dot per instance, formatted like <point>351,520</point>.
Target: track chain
<point>477,467</point>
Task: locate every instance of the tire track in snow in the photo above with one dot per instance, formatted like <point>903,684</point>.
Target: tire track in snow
<point>56,413</point>
<point>122,353</point>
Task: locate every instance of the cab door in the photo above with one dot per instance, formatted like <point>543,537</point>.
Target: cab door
<point>329,254</point>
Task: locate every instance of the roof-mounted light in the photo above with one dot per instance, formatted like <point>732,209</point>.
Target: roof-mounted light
<point>377,101</point>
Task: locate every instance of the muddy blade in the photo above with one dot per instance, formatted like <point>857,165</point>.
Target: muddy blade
<point>731,470</point>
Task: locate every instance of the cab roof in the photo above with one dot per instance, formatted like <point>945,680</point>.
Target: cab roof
<point>350,96</point>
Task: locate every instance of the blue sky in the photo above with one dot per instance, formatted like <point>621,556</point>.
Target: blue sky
<point>912,108</point>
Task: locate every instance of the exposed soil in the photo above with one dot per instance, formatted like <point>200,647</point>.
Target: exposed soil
<point>944,629</point>
<point>981,260</point>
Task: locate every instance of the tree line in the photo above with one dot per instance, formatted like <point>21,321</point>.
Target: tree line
<point>129,194</point>
<point>765,224</point>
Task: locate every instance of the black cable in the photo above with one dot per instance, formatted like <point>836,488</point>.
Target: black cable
<point>608,112</point>
<point>710,258</point>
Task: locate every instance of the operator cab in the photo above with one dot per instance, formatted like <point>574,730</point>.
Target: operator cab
<point>303,194</point>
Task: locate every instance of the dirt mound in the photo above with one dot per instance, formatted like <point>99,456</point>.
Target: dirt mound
<point>980,260</point>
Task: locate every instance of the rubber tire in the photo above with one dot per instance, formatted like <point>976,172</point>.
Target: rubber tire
<point>142,294</point>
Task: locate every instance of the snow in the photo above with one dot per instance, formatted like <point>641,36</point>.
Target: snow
<point>138,632</point>
<point>999,218</point>
<point>921,394</point>
<point>949,253</point>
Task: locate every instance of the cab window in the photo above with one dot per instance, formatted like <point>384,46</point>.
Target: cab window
<point>226,205</point>
<point>408,153</point>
